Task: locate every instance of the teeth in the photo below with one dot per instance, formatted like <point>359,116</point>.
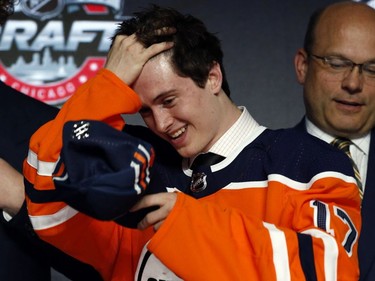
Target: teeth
<point>178,133</point>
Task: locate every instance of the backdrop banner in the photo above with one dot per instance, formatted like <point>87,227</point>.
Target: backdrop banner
<point>48,48</point>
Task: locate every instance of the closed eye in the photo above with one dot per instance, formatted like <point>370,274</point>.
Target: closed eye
<point>337,63</point>
<point>168,102</point>
<point>145,111</point>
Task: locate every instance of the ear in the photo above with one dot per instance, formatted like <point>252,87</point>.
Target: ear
<point>215,79</point>
<point>301,64</point>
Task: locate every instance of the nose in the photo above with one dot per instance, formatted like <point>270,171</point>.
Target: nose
<point>353,81</point>
<point>162,120</point>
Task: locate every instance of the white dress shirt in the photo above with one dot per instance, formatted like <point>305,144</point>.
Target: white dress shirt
<point>243,130</point>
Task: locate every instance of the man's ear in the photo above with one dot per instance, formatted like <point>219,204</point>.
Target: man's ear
<point>215,78</point>
<point>301,64</point>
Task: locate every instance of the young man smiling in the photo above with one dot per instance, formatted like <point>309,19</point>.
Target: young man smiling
<point>279,205</point>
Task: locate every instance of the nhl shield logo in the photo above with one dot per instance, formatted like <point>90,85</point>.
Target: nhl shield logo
<point>42,9</point>
<point>198,182</point>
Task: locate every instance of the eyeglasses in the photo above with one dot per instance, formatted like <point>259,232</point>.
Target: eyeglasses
<point>340,67</point>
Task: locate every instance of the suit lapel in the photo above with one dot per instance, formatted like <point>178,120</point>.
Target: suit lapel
<point>301,126</point>
<point>366,249</point>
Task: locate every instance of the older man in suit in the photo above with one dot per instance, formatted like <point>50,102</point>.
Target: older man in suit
<point>337,70</point>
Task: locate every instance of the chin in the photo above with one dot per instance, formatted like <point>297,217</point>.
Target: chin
<point>348,131</point>
<point>185,153</point>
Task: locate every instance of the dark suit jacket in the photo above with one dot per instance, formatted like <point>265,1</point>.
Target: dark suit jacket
<point>23,256</point>
<point>366,249</point>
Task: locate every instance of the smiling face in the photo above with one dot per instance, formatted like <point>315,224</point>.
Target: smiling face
<point>345,107</point>
<point>175,108</point>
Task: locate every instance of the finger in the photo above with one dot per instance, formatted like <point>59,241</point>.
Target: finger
<point>152,218</point>
<point>147,201</point>
<point>122,37</point>
<point>117,41</point>
<point>165,31</point>
<point>165,201</point>
<point>158,225</point>
<point>157,48</point>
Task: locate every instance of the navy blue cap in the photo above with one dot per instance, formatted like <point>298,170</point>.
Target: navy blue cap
<point>106,170</point>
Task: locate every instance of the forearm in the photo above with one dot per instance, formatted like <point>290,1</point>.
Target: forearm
<point>12,189</point>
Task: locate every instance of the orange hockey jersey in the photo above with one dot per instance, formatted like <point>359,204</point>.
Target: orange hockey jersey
<point>285,208</point>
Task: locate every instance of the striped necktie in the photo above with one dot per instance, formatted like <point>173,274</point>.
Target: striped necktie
<point>344,144</point>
